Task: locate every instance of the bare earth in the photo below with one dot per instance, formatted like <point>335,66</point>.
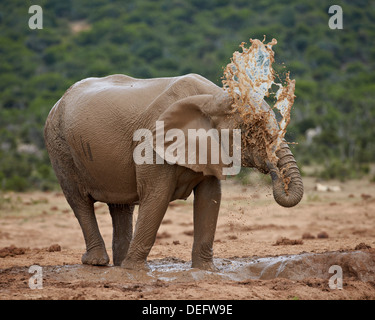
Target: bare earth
<point>254,260</point>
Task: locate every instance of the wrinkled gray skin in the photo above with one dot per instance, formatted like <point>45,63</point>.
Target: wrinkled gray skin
<point>89,138</point>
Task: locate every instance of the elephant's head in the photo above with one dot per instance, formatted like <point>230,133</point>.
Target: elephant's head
<point>216,112</point>
<point>286,178</point>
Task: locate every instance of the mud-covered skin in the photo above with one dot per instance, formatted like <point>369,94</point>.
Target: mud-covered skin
<point>89,137</point>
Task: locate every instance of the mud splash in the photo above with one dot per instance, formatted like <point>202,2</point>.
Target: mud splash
<point>248,80</point>
<point>356,265</point>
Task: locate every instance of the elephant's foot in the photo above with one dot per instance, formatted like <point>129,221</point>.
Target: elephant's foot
<point>117,260</point>
<point>96,257</point>
<point>204,265</point>
<point>135,265</point>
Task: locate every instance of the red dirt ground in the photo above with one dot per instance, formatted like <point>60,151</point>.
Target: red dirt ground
<point>40,229</point>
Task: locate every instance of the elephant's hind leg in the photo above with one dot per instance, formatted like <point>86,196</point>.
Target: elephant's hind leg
<point>122,221</point>
<point>83,207</point>
<point>79,200</point>
<point>96,253</point>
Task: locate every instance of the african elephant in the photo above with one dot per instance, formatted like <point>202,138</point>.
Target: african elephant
<point>89,138</point>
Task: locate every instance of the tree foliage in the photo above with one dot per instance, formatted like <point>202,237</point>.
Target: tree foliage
<point>334,69</point>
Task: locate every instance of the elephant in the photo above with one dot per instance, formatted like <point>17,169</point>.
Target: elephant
<point>89,138</point>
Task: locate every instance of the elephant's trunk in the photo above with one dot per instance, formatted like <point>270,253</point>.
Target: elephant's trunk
<point>286,178</point>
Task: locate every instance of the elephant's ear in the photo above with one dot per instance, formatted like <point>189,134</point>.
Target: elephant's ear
<point>183,130</point>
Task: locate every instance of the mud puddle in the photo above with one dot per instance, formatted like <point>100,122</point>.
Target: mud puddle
<point>355,265</point>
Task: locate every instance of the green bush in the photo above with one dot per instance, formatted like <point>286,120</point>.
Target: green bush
<point>343,170</point>
<point>16,183</point>
<point>334,69</point>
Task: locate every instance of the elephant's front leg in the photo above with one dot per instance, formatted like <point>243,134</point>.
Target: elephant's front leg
<point>151,212</point>
<point>207,196</point>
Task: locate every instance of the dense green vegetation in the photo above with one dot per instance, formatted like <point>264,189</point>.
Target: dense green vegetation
<point>334,69</point>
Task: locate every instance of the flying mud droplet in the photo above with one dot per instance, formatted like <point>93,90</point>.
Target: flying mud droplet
<point>248,80</point>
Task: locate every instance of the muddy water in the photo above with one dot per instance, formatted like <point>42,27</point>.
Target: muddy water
<point>248,79</point>
<point>358,265</point>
